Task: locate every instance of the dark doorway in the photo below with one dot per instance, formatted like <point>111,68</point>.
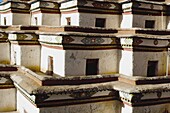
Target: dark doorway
<point>92,66</point>
<point>152,68</point>
<point>50,65</point>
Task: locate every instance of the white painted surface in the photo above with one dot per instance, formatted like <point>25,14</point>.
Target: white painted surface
<point>7,100</point>
<point>126,21</point>
<point>126,109</point>
<point>58,60</point>
<point>126,63</point>
<point>9,19</point>
<point>15,54</point>
<point>74,19</point>
<point>24,105</point>
<point>39,19</point>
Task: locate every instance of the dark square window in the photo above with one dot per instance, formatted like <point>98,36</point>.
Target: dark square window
<point>100,22</point>
<point>149,24</point>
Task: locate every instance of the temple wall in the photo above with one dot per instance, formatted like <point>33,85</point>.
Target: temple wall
<point>51,19</point>
<point>126,63</point>
<point>141,62</point>
<point>15,54</point>
<point>74,18</point>
<point>30,57</point>
<point>127,21</point>
<point>24,105</point>
<point>88,20</point>
<point>161,108</point>
<point>58,60</point>
<point>98,107</point>
<point>108,61</point>
<point>139,21</point>
<point>36,19</point>
<point>4,53</point>
<point>21,19</point>
<point>7,100</point>
<point>7,18</point>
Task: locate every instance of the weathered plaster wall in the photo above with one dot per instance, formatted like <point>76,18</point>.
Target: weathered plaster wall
<point>161,108</point>
<point>9,18</point>
<point>76,60</point>
<point>58,60</point>
<point>98,107</point>
<point>136,63</point>
<point>51,19</point>
<point>4,53</point>
<point>141,62</point>
<point>88,20</point>
<point>24,105</point>
<point>30,57</point>
<point>21,19</point>
<point>7,100</point>
<point>139,21</point>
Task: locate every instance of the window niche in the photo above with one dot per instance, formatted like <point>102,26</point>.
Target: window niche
<point>68,19</point>
<point>150,24</point>
<point>100,22</point>
<point>92,66</point>
<point>152,69</point>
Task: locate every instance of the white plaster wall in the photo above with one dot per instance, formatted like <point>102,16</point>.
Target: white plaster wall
<point>21,19</point>
<point>168,22</point>
<point>7,100</point>
<point>51,19</point>
<point>139,21</point>
<point>30,56</point>
<point>98,107</point>
<point>127,109</point>
<point>39,19</point>
<point>126,63</point>
<point>74,19</point>
<point>9,18</point>
<point>24,105</point>
<point>15,59</point>
<point>76,61</point>
<point>127,21</point>
<point>88,20</point>
<point>58,60</point>
<point>4,53</point>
